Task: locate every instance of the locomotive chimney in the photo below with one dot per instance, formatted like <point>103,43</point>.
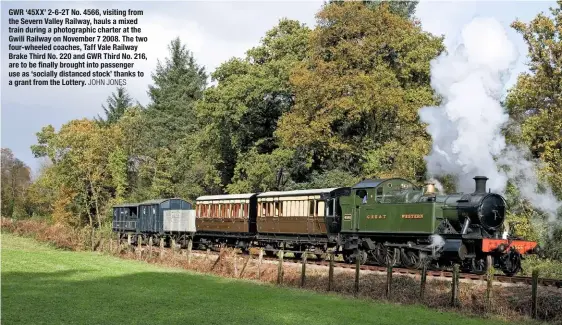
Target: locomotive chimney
<point>480,184</point>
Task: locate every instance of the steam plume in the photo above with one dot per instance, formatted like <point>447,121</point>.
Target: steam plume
<point>466,128</point>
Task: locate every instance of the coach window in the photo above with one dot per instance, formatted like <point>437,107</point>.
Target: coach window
<point>245,210</point>
<point>281,205</point>
<point>233,211</point>
<point>320,208</point>
<point>311,207</point>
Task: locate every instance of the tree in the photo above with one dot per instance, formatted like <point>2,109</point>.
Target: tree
<point>87,169</point>
<point>535,102</point>
<point>241,112</point>
<point>166,124</point>
<point>117,103</point>
<point>178,83</point>
<point>16,178</point>
<point>405,9</point>
<point>358,93</point>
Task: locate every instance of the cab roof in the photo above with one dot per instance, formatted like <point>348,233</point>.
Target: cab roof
<point>371,183</point>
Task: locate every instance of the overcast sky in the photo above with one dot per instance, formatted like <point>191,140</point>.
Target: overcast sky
<point>214,31</point>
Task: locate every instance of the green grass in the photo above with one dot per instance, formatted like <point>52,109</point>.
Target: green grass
<point>42,285</point>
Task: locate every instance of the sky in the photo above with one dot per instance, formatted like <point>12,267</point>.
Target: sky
<point>214,31</point>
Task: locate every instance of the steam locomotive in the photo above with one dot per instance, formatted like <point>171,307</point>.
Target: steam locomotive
<point>379,221</point>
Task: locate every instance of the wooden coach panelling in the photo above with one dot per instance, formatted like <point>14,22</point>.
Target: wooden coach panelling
<point>221,214</point>
<point>299,214</point>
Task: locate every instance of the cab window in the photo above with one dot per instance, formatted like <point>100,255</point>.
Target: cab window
<point>362,194</point>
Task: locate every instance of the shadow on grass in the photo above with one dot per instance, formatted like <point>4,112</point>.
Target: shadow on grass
<point>185,298</point>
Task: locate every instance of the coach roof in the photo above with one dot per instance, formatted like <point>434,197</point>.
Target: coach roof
<point>242,196</point>
<point>315,191</point>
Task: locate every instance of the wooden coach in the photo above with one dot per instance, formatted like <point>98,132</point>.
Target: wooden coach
<point>300,212</point>
<point>231,213</point>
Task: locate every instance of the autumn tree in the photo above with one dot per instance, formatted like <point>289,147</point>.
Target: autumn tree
<point>535,102</point>
<point>87,170</point>
<point>117,103</point>
<point>16,178</point>
<point>535,108</point>
<point>366,75</point>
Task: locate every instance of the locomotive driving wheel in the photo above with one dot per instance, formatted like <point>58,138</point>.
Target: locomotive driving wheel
<point>388,255</point>
<point>411,259</point>
<point>350,257</point>
<point>511,262</point>
<point>479,266</point>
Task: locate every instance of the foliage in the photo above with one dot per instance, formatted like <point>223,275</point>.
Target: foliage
<point>535,102</point>
<point>168,123</point>
<point>81,168</point>
<point>358,92</point>
<point>241,112</point>
<point>117,103</point>
<point>178,83</point>
<point>16,179</point>
<point>405,9</point>
<point>260,172</point>
<point>535,108</point>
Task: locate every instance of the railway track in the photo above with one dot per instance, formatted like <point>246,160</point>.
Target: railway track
<point>442,274</point>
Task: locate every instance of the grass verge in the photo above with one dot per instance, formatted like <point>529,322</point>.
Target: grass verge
<point>43,285</point>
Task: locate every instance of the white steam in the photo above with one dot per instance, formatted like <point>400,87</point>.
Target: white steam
<point>466,129</point>
<point>437,242</point>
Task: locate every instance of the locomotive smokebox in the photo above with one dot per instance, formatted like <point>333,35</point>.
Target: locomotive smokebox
<point>480,184</point>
